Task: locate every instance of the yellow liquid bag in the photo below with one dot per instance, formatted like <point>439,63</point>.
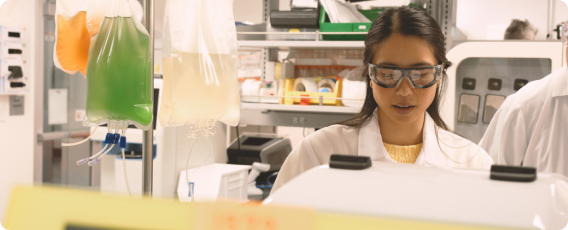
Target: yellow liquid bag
<point>200,66</point>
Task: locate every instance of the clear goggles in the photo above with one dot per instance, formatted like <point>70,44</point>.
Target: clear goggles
<point>564,32</point>
<point>390,77</point>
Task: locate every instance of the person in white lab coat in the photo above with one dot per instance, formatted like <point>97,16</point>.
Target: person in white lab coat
<point>531,126</point>
<point>399,122</point>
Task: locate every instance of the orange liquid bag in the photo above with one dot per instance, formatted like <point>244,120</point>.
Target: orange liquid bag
<point>73,41</point>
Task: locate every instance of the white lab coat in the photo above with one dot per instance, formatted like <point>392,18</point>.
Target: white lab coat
<point>316,149</point>
<point>531,127</point>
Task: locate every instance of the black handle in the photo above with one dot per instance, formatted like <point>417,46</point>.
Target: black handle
<point>513,173</point>
<point>339,161</point>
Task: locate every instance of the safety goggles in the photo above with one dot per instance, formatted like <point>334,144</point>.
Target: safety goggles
<point>564,32</point>
<point>390,77</point>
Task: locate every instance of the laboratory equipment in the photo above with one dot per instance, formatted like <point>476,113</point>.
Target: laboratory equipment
<point>295,19</point>
<point>354,88</point>
<point>434,194</point>
<point>257,168</point>
<point>118,86</point>
<point>170,150</point>
<point>256,147</point>
<point>13,79</point>
<point>13,75</point>
<point>112,168</point>
<point>483,74</point>
<point>200,66</point>
<point>78,209</point>
<point>251,90</point>
<point>214,182</point>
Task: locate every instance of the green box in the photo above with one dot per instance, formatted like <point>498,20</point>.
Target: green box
<point>327,26</point>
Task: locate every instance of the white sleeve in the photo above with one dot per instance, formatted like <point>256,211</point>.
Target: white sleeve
<point>506,139</point>
<point>301,159</point>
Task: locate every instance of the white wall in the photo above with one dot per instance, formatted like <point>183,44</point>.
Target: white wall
<point>560,12</point>
<point>474,17</point>
<point>251,10</point>
<point>17,133</point>
<point>248,10</point>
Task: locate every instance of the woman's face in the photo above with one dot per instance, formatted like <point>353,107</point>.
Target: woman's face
<point>403,104</point>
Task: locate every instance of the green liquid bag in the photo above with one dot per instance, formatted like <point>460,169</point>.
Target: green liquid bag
<point>119,82</point>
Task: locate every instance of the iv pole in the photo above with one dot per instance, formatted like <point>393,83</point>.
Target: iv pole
<point>148,137</point>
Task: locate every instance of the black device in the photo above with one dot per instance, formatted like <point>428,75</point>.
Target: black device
<point>468,83</point>
<point>264,148</point>
<point>513,173</point>
<point>301,16</point>
<point>339,161</point>
<point>494,84</point>
<point>14,51</point>
<point>520,83</point>
<point>15,72</point>
<point>17,85</point>
<point>14,34</point>
<point>295,19</point>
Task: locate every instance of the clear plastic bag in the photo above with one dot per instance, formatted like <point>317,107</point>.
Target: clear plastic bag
<point>200,65</point>
<point>119,82</point>
<point>72,40</point>
<point>96,13</point>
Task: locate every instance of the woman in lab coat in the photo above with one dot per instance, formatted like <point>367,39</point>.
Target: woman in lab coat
<point>400,120</point>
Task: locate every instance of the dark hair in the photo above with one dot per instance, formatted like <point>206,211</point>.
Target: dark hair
<point>517,29</point>
<point>408,21</point>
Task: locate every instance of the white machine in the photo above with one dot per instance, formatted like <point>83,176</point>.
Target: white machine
<point>214,182</point>
<point>483,74</point>
<point>439,195</point>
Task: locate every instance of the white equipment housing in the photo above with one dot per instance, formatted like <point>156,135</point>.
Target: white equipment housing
<point>215,182</point>
<point>503,61</point>
<point>443,195</point>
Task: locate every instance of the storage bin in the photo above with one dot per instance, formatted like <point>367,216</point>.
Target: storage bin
<point>289,91</point>
<point>293,34</point>
<point>327,26</point>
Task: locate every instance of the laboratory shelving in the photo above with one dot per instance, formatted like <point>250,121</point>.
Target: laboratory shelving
<point>300,44</point>
<point>294,115</point>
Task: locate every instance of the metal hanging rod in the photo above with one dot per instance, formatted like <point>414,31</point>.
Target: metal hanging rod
<point>148,138</point>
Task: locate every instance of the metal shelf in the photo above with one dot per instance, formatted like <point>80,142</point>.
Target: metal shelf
<point>294,115</point>
<point>300,44</point>
<point>300,108</point>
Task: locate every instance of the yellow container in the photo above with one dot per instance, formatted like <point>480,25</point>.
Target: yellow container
<point>289,91</point>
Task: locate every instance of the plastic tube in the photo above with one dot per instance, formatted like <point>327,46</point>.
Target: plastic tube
<point>85,160</point>
<point>122,147</point>
<point>204,162</point>
<point>187,169</point>
<point>80,142</point>
<point>125,176</point>
<point>97,159</point>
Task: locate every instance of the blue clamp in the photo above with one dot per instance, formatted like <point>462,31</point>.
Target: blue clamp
<point>123,142</point>
<point>108,138</point>
<point>115,138</point>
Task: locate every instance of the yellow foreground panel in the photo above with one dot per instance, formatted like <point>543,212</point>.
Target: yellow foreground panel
<point>51,208</point>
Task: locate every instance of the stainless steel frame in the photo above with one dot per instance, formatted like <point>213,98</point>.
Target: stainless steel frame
<point>148,139</point>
